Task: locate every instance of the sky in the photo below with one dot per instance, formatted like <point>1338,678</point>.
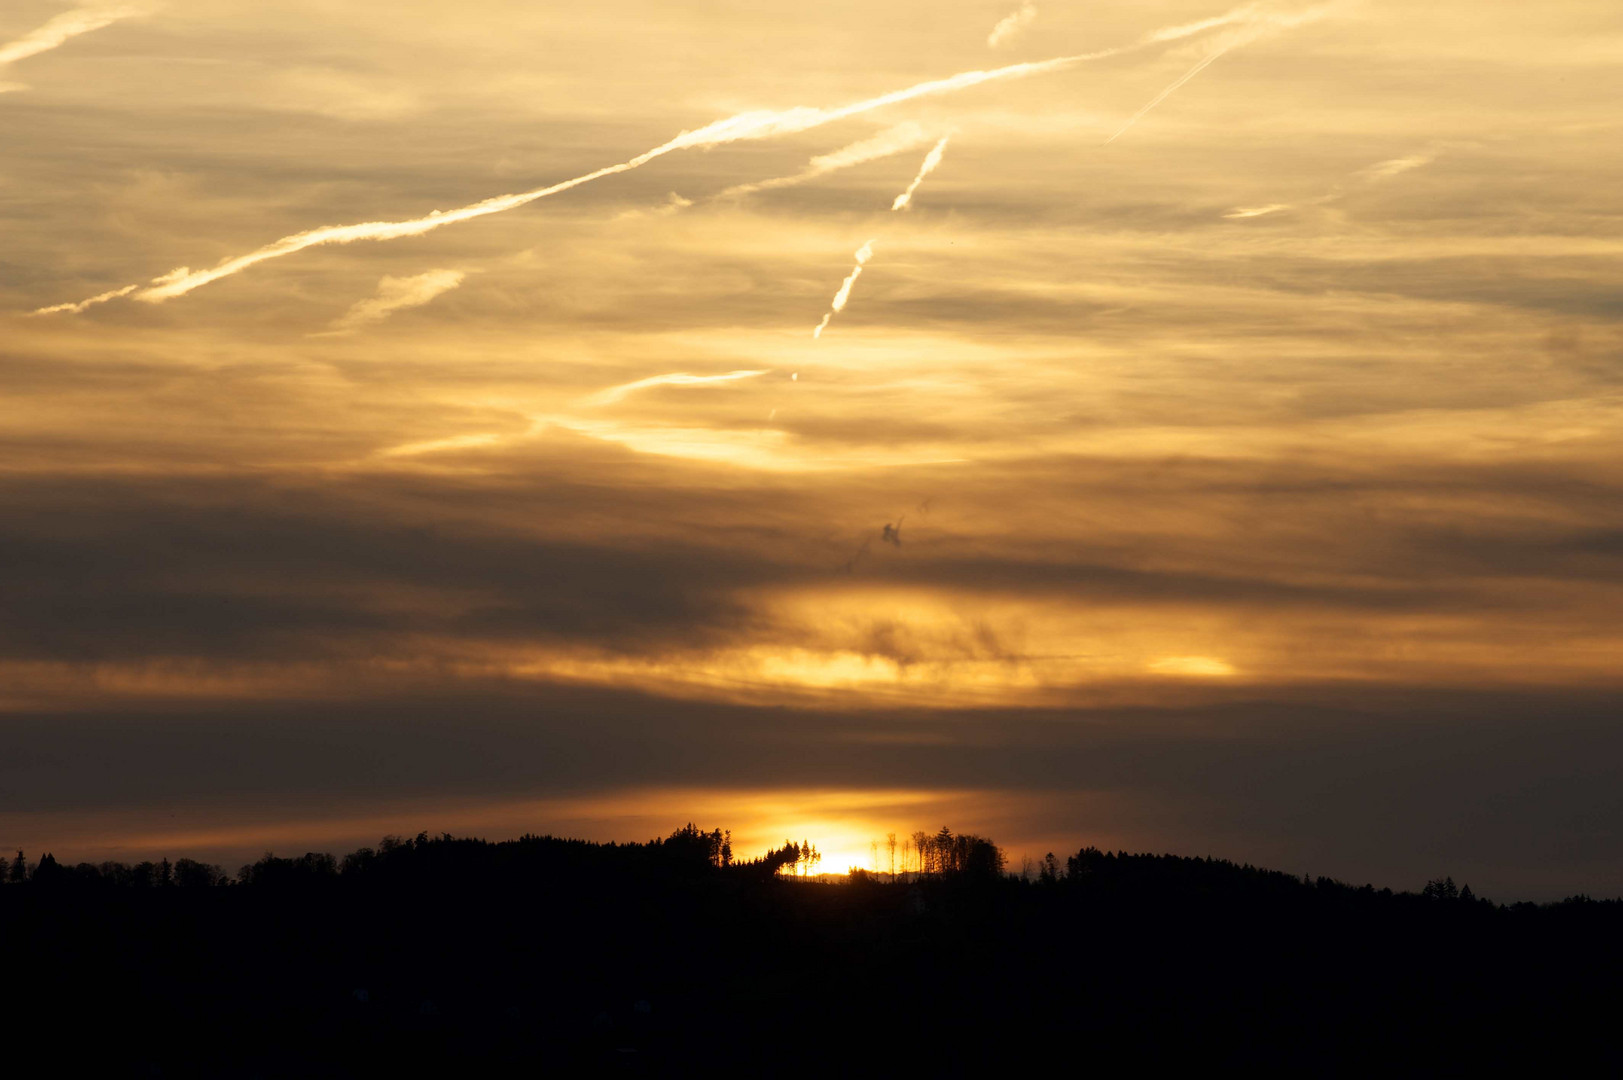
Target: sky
<point>1236,476</point>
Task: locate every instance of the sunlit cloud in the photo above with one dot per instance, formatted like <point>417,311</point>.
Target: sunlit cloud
<point>1011,25</point>
<point>1208,666</point>
<point>1257,211</point>
<point>63,28</point>
<point>396,294</point>
<point>756,124</point>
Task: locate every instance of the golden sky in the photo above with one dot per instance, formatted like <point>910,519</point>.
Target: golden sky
<point>1250,463</point>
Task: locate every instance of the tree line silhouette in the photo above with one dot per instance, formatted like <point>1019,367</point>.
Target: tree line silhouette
<point>438,954</point>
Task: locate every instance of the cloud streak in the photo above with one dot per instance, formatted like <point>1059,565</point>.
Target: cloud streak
<point>63,28</point>
<point>396,294</point>
<point>756,124</point>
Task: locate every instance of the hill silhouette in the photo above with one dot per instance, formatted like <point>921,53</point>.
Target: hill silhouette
<point>438,955</point>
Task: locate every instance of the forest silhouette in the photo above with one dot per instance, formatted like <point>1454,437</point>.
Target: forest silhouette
<point>436,955</point>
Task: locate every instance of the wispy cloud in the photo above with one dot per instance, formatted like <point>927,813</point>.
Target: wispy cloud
<point>757,124</point>
<point>62,28</point>
<point>894,140</point>
<point>679,378</point>
<point>1257,211</point>
<point>1010,26</point>
<point>395,294</point>
<point>931,160</point>
<point>1385,170</point>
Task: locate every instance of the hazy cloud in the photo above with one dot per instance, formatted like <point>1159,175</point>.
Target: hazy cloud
<point>757,124</point>
<point>396,294</point>
<point>64,27</point>
<point>1010,26</point>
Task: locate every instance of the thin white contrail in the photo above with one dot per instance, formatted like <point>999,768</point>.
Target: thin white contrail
<point>865,252</point>
<point>931,160</point>
<point>679,378</point>
<point>904,136</point>
<point>1380,172</point>
<point>841,298</point>
<point>1205,62</point>
<point>1258,24</point>
<point>100,298</point>
<point>69,24</point>
<point>759,124</point>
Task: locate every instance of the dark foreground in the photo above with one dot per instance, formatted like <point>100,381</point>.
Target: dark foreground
<point>451,958</point>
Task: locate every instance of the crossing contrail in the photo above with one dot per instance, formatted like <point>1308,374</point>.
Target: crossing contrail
<point>893,140</point>
<point>757,124</point>
<point>864,253</point>
<point>931,160</point>
<point>1257,25</point>
<point>1168,92</point>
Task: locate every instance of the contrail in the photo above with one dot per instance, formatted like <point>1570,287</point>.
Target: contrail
<point>101,298</point>
<point>69,24</point>
<point>894,140</point>
<point>1163,95</point>
<point>1260,25</point>
<point>931,160</point>
<point>680,378</point>
<point>1377,173</point>
<point>841,298</point>
<point>758,124</point>
<point>865,252</point>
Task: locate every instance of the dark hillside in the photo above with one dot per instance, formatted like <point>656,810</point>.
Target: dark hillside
<point>442,955</point>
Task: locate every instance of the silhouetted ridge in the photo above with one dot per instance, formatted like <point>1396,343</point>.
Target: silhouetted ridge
<point>440,955</point>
